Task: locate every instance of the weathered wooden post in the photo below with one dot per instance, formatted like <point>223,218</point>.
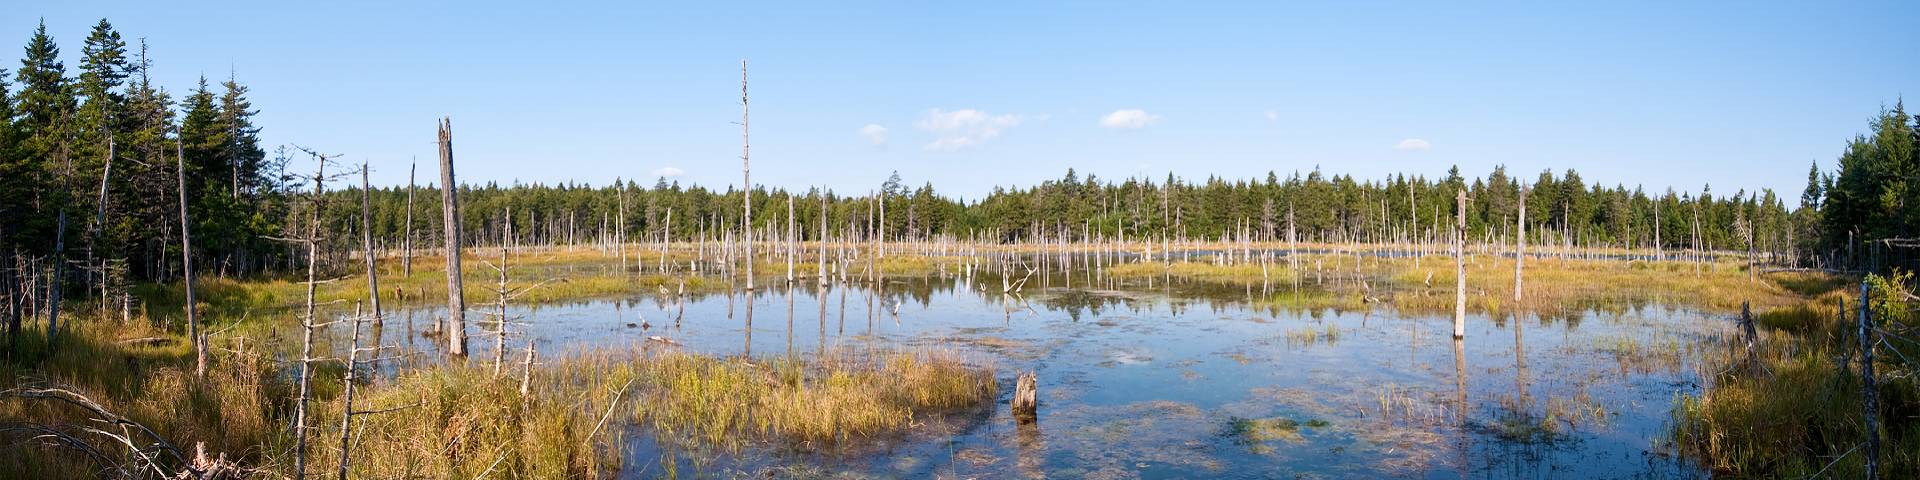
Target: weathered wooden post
<point>450,216</point>
<point>1871,407</point>
<point>1460,265</point>
<point>1026,397</point>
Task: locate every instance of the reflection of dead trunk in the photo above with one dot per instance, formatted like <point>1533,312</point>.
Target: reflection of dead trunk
<point>1460,378</point>
<point>1026,403</point>
<point>1520,359</point>
<point>1031,449</point>
<point>747,350</point>
<point>789,319</point>
<point>820,292</point>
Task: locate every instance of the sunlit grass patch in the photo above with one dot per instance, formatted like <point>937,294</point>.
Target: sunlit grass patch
<point>1258,434</point>
<point>723,401</point>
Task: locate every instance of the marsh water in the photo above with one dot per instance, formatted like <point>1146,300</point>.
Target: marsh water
<point>1160,378</point>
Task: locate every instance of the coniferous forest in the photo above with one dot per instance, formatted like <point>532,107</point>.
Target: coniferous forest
<point>90,151</point>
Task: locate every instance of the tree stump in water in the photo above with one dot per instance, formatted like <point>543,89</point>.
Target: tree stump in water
<point>1026,404</point>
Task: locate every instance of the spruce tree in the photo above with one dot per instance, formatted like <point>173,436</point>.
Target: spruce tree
<point>242,147</point>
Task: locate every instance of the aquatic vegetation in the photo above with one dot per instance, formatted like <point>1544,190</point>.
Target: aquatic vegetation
<point>1256,433</point>
<point>1307,336</point>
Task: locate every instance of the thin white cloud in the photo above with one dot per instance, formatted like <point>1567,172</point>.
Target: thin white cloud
<point>874,133</point>
<point>668,172</point>
<point>1415,144</point>
<point>1273,115</point>
<point>1131,119</point>
<point>964,128</point>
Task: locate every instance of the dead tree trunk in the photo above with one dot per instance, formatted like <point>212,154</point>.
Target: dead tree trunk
<point>346,395</point>
<point>406,237</point>
<point>746,179</point>
<point>1026,397</point>
<point>59,277</point>
<point>1460,265</point>
<point>450,215</point>
<point>500,313</point>
<point>186,262</point>
<point>1520,245</point>
<point>823,248</point>
<point>791,238</point>
<point>306,322</point>
<point>366,230</point>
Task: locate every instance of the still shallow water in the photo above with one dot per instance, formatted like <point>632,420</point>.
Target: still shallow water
<point>1167,379</point>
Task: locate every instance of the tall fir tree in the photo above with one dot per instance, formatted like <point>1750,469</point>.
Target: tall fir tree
<point>45,109</point>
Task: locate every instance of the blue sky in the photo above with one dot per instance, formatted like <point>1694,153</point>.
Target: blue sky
<point>976,94</point>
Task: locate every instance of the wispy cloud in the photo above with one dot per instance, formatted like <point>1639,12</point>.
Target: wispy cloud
<point>1128,119</point>
<point>1273,115</point>
<point>1415,144</point>
<point>964,128</point>
<point>668,172</point>
<point>874,133</point>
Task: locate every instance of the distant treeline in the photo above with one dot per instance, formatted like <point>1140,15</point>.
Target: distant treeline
<point>88,176</point>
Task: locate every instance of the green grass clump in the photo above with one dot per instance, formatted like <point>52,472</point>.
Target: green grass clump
<point>1259,434</point>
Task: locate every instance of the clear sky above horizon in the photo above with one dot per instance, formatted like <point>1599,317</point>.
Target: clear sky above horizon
<point>969,95</point>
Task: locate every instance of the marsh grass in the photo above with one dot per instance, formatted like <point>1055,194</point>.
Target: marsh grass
<point>1798,412</point>
<point>818,403</point>
<point>457,420</point>
<point>1308,336</point>
<point>237,409</point>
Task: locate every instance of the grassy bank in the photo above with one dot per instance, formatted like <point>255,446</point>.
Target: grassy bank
<point>456,420</point>
<point>1795,409</point>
